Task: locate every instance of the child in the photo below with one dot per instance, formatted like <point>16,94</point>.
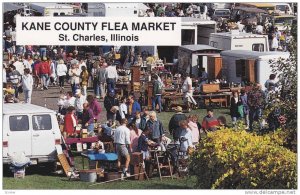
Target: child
<point>194,128</point>
<point>185,136</point>
<point>70,122</point>
<point>88,119</point>
<point>9,89</point>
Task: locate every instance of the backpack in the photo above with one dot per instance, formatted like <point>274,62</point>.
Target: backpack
<point>160,87</point>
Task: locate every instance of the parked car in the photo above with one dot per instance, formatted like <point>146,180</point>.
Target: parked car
<point>221,13</point>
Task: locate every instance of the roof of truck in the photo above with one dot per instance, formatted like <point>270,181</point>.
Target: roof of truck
<point>199,47</point>
<point>243,54</point>
<point>237,34</point>
<point>22,108</point>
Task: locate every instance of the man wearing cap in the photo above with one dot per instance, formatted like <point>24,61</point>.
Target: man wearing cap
<point>174,126</point>
<point>44,72</point>
<point>111,105</point>
<point>74,74</point>
<point>79,101</point>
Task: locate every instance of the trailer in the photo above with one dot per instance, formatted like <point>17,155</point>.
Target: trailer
<point>191,58</point>
<point>54,9</point>
<point>116,9</point>
<point>251,65</point>
<point>236,40</point>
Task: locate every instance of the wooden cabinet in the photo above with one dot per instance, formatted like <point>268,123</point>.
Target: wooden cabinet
<point>214,67</point>
<point>150,94</point>
<point>250,70</point>
<point>135,74</point>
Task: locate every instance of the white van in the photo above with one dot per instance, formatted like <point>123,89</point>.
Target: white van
<point>31,129</point>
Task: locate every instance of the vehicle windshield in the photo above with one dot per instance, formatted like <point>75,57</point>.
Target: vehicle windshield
<point>222,12</point>
<point>281,7</point>
<point>283,21</point>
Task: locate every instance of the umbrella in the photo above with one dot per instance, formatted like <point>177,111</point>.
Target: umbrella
<point>11,7</point>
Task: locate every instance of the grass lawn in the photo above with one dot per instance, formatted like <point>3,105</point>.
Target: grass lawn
<point>37,179</point>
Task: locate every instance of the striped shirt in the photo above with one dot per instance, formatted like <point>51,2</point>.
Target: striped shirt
<point>210,123</point>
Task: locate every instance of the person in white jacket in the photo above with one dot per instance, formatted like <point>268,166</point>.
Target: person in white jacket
<point>27,83</point>
<point>61,71</point>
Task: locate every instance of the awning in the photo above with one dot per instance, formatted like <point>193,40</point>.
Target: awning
<point>11,7</point>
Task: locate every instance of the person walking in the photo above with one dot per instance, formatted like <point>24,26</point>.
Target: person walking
<point>74,74</point>
<point>187,89</point>
<point>111,105</point>
<point>94,105</point>
<point>111,76</point>
<point>256,101</point>
<point>235,102</point>
<point>44,72</point>
<point>174,126</point>
<point>95,78</point>
<point>157,92</point>
<point>14,77</point>
<point>123,145</point>
<point>61,73</point>
<point>84,76</point>
<point>102,78</point>
<point>27,84</point>
<point>244,101</point>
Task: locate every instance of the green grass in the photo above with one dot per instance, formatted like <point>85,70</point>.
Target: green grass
<point>36,179</point>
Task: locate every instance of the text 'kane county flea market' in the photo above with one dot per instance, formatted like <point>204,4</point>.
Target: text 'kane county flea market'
<point>110,26</point>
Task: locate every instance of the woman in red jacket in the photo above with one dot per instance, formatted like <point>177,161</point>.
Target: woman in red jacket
<point>70,122</point>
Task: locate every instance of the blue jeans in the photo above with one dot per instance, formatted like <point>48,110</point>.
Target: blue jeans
<point>43,52</point>
<point>110,84</point>
<point>27,94</point>
<point>156,99</point>
<point>90,128</point>
<point>255,114</point>
<point>74,87</point>
<point>96,87</point>
<point>45,79</point>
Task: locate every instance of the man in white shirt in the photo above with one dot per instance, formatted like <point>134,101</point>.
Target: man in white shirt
<point>111,76</point>
<point>79,101</point>
<point>123,144</point>
<point>188,91</point>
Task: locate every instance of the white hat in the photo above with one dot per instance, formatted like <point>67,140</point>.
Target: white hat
<point>77,92</point>
<point>74,61</point>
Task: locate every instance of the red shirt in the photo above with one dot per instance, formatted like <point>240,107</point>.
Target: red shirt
<point>44,68</point>
<point>69,124</point>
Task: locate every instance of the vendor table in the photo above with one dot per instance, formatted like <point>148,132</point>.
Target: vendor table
<point>70,141</point>
<point>106,158</point>
<point>222,98</point>
<point>124,87</point>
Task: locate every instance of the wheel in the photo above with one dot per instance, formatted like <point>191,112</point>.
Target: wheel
<point>49,167</point>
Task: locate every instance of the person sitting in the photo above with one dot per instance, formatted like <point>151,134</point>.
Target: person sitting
<point>222,122</point>
<point>209,122</point>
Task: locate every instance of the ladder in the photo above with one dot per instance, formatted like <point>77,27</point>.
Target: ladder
<point>160,155</point>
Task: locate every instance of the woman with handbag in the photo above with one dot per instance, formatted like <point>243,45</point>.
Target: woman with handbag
<point>235,102</point>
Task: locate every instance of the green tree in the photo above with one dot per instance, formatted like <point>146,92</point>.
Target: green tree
<point>286,96</point>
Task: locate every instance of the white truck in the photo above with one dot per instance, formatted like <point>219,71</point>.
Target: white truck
<point>54,9</point>
<point>116,9</point>
<point>32,130</point>
<point>236,40</point>
<point>252,65</point>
